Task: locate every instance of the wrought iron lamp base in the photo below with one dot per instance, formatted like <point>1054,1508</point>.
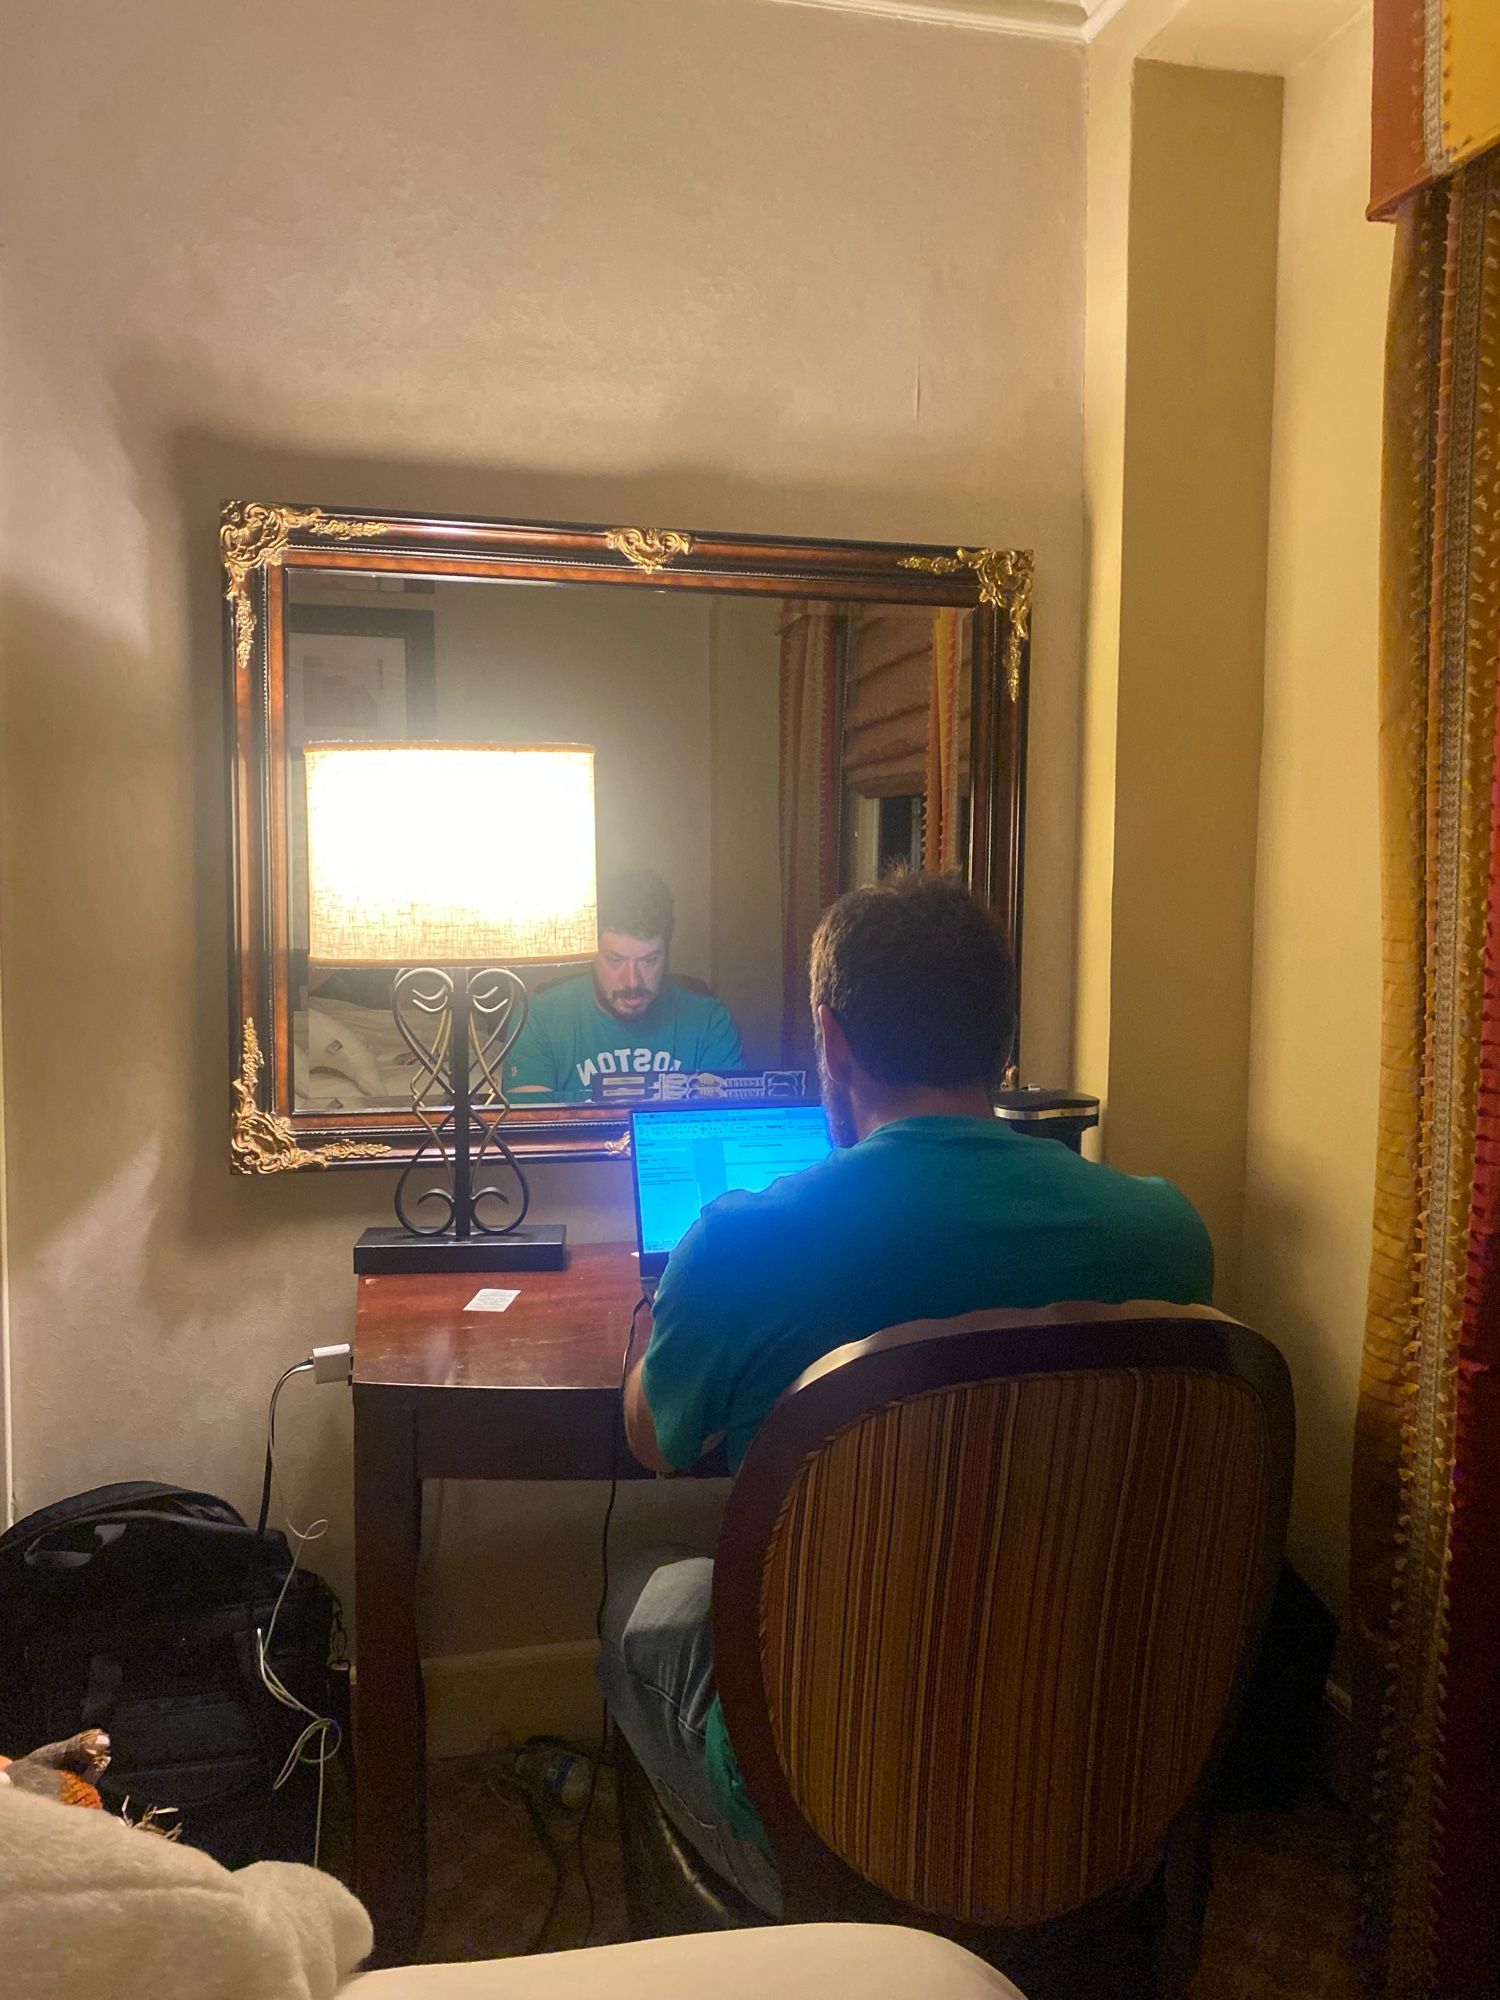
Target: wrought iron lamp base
<point>537,1246</point>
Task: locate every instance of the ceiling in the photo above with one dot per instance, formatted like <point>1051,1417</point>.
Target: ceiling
<point>1270,35</point>
<point>1058,20</point>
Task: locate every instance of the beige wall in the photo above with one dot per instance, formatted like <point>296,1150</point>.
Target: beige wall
<point>1199,359</point>
<point>1112,59</point>
<point>1181,263</point>
<point>745,891</point>
<point>727,265</point>
<point>1316,992</point>
<point>1292,1207</point>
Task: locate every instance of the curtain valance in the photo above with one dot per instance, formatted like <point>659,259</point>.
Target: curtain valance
<point>1436,93</point>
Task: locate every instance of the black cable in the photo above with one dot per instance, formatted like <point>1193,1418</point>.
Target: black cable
<point>616,1432</point>
<point>512,1788</point>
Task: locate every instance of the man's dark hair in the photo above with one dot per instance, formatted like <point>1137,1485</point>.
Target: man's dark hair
<point>920,980</point>
<point>638,904</point>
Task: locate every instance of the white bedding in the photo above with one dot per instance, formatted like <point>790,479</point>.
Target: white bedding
<point>349,1058</point>
<point>93,1910</point>
<point>90,1907</point>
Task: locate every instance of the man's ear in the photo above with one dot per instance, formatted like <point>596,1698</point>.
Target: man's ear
<point>838,1058</point>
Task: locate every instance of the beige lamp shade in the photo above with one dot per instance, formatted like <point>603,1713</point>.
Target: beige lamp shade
<point>420,854</point>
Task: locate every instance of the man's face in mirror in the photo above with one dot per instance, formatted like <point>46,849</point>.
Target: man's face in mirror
<point>628,973</point>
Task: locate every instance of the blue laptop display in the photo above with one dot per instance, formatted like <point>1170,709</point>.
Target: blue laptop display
<point>686,1155</point>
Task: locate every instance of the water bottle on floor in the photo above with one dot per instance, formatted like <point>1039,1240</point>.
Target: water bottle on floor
<point>554,1774</point>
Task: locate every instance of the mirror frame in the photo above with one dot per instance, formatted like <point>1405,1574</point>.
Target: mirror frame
<point>260,544</point>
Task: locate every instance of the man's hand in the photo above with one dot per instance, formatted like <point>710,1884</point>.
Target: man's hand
<point>640,1425</point>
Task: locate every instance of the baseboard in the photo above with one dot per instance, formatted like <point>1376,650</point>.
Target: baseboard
<point>478,1700</point>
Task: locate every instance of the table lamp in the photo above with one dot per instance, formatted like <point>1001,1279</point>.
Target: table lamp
<point>454,864</point>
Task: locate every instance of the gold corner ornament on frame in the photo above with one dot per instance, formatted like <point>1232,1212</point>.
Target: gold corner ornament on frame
<point>1005,579</point>
<point>252,537</point>
<point>649,549</point>
<point>262,1143</point>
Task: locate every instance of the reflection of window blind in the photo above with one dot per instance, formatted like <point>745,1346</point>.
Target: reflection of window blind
<point>888,699</point>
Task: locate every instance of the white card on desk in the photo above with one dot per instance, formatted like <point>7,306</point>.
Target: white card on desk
<point>491,1300</point>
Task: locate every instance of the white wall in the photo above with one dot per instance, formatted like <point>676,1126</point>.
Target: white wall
<point>692,263</point>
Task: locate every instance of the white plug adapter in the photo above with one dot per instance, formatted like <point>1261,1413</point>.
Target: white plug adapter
<point>333,1364</point>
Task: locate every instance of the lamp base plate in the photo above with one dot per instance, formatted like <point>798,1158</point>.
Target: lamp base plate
<point>540,1246</point>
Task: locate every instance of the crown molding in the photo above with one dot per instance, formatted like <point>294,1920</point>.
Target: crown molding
<point>1048,20</point>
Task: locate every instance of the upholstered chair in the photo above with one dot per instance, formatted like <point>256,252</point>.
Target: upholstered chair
<point>986,1598</point>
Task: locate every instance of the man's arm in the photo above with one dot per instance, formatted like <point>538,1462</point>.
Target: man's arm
<point>640,1425</point>
<point>676,1367</point>
<point>532,1070</point>
<point>721,1047</point>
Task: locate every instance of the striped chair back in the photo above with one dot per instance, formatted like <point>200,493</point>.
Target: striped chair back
<point>984,1595</point>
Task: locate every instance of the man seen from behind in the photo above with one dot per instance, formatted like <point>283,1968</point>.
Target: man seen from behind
<point>929,1207</point>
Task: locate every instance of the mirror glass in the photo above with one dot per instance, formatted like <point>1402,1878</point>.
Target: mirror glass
<point>752,756</point>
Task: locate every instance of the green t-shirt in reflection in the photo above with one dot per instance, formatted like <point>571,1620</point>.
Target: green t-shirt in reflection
<point>569,1039</point>
<point>926,1219</point>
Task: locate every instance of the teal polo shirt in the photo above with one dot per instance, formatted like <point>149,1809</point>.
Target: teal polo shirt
<point>925,1219</point>
<point>569,1039</point>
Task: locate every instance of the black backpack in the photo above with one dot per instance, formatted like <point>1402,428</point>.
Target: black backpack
<point>135,1608</point>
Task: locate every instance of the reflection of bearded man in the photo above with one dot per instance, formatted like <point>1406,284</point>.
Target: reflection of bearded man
<point>629,971</point>
<point>626,1015</point>
<point>636,920</point>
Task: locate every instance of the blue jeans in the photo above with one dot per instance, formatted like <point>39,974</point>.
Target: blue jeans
<point>657,1671</point>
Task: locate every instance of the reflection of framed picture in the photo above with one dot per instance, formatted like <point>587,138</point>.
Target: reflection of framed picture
<point>359,674</point>
<point>354,674</point>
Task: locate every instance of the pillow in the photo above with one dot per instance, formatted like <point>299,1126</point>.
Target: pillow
<point>331,1045</point>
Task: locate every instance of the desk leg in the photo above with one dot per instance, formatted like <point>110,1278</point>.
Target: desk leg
<point>390,1728</point>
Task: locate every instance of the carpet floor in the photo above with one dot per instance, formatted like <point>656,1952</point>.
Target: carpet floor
<point>1280,1921</point>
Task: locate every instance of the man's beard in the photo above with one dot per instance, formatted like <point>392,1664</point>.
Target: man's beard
<point>610,1002</point>
<point>838,1106</point>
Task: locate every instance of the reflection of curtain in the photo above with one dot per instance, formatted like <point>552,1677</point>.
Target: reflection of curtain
<point>1436,96</point>
<point>1426,1514</point>
<point>810,785</point>
<point>946,743</point>
<point>886,700</point>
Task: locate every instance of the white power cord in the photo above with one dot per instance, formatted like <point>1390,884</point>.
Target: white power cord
<point>319,1742</point>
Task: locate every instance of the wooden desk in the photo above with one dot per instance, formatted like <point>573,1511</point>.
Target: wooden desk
<point>531,1393</point>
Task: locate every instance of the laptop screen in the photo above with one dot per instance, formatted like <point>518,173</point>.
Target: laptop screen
<point>686,1157</point>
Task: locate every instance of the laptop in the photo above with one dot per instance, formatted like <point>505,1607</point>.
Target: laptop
<point>686,1155</point>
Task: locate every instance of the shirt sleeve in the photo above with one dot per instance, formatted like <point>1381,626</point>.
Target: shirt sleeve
<point>721,1047</point>
<point>688,1372</point>
<point>532,1063</point>
<point>1198,1251</point>
<point>1185,1250</point>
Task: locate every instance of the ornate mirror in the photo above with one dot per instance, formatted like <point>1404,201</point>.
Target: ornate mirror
<point>772,721</point>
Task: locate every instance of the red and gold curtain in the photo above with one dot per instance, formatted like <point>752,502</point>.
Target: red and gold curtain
<point>1426,1516</point>
<point>811,645</point>
<point>947,739</point>
<point>1437,93</point>
<point>875,702</point>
